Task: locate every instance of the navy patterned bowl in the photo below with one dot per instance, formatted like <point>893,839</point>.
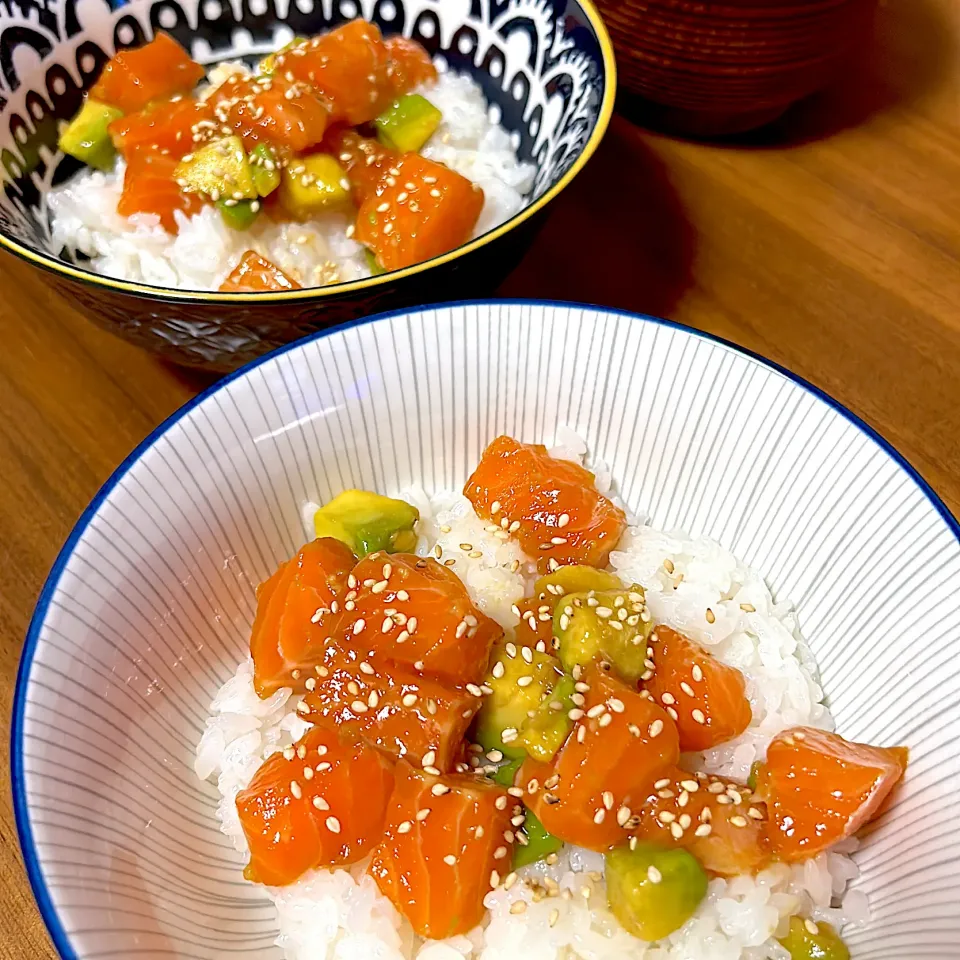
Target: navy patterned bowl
<point>547,65</point>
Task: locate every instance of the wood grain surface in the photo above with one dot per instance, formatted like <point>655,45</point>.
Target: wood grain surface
<point>830,244</point>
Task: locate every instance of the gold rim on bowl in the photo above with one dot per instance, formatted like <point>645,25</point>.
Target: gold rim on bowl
<point>56,265</point>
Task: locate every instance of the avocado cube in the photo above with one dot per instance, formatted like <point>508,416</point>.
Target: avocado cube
<point>408,123</point>
<point>219,169</point>
<point>313,184</point>
<point>367,522</point>
<point>543,734</point>
<point>87,137</point>
<point>264,169</point>
<point>238,214</point>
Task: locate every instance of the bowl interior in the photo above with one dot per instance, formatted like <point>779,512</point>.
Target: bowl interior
<point>540,63</point>
<point>147,610</point>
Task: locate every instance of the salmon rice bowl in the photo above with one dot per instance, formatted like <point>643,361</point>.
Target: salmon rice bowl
<point>515,720</point>
<point>335,158</point>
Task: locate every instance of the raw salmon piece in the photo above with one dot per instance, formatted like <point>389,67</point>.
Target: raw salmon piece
<point>401,712</point>
<point>348,66</point>
<point>298,609</point>
<point>425,210</point>
<point>443,839</point>
<point>272,110</point>
<point>704,696</point>
<point>552,505</point>
<point>149,186</point>
<point>254,274</point>
<point>367,161</point>
<point>718,820</point>
<point>821,788</point>
<point>318,804</point>
<point>171,126</point>
<point>159,69</point>
<point>587,794</point>
<point>408,65</point>
<point>432,625</point>
<point>536,621</point>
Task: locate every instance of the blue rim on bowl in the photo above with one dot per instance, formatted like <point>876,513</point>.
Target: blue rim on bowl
<point>27,842</point>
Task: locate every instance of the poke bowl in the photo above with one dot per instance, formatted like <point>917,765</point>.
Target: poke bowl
<point>358,157</point>
<point>361,757</point>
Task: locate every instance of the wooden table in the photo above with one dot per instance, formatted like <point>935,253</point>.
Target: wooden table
<point>831,246</point>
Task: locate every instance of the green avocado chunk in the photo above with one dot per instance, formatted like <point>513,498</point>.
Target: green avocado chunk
<point>809,940</point>
<point>238,214</point>
<point>540,844</point>
<point>653,890</point>
<point>264,169</point>
<point>87,137</point>
<point>218,170</point>
<point>408,123</point>
<point>367,522</point>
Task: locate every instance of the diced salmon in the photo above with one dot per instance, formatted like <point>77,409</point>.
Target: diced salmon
<point>298,609</point>
<point>273,110</point>
<point>424,211</point>
<point>348,66</point>
<point>255,274</point>
<point>443,838</point>
<point>319,804</point>
<point>367,161</point>
<point>718,820</point>
<point>408,65</point>
<point>561,516</point>
<point>171,126</point>
<point>619,746</point>
<point>159,69</point>
<point>150,186</point>
<point>704,696</point>
<point>821,788</point>
<point>536,621</point>
<point>403,713</point>
<point>433,627</point>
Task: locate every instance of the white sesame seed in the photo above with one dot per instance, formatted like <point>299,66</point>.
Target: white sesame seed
<point>405,827</point>
<point>439,789</point>
<point>288,753</point>
<point>608,799</point>
<point>366,668</point>
<point>499,853</point>
<point>655,728</point>
<point>653,874</point>
<point>660,784</point>
<point>423,814</point>
<point>323,766</point>
<point>358,626</point>
<point>333,824</point>
<point>599,815</point>
<point>697,673</point>
<point>698,716</point>
<point>518,907</point>
<point>812,928</point>
<point>623,815</point>
<point>673,713</point>
<point>429,758</point>
<point>307,773</point>
<point>295,789</point>
<point>739,821</point>
<point>500,803</point>
<point>704,830</point>
<point>665,816</point>
<point>320,803</point>
<point>358,706</point>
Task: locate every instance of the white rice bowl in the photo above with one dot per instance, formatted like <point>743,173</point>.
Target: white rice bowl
<point>340,915</point>
<point>84,218</point>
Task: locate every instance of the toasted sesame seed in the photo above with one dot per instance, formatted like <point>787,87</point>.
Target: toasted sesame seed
<point>698,716</point>
<point>665,816</point>
<point>302,707</point>
<point>616,705</point>
<point>754,813</point>
<point>429,758</point>
<point>495,508</point>
<point>358,706</point>
<point>405,827</point>
<point>423,814</point>
<point>514,527</point>
<point>697,673</point>
<point>307,773</point>
<point>748,608</point>
<point>288,753</point>
<point>323,766</point>
<point>608,799</point>
<point>518,907</point>
<point>668,698</point>
<point>704,830</point>
<point>623,815</point>
<point>500,803</point>
<point>596,710</point>
<point>320,803</point>
<point>605,720</point>
<point>295,789</point>
<point>716,787</point>
<point>661,783</point>
<point>655,728</point>
<point>358,626</point>
<point>499,853</point>
<point>739,821</point>
<point>439,789</point>
<point>598,817</point>
<point>333,824</point>
<point>676,831</point>
<point>409,699</point>
<point>581,734</point>
<point>711,617</point>
<point>494,879</point>
<point>812,928</point>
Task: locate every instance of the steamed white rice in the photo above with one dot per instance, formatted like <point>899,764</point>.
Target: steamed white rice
<point>340,914</point>
<point>84,216</point>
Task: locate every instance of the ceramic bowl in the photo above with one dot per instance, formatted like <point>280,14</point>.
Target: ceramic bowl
<point>545,66</point>
<point>148,607</point>
<point>716,68</point>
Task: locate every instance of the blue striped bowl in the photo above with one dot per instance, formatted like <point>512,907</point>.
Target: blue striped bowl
<point>147,609</point>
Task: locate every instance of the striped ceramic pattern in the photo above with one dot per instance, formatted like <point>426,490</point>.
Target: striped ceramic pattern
<point>147,610</point>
